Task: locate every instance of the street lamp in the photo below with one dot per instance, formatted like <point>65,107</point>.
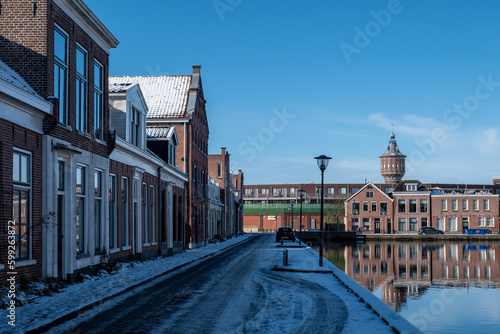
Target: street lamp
<point>322,161</point>
<point>301,195</point>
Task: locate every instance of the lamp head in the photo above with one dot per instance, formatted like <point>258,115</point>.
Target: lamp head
<point>322,161</point>
<point>302,193</point>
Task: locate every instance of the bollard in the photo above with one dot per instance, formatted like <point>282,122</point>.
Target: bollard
<point>281,241</point>
<point>285,257</point>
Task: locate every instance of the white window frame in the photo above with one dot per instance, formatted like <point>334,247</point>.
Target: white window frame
<point>81,85</point>
<point>490,221</point>
<point>99,91</point>
<point>452,224</point>
<point>81,228</point>
<point>152,213</point>
<point>63,64</point>
<point>113,217</point>
<point>475,204</point>
<point>481,221</point>
<point>125,200</point>
<point>98,209</point>
<point>454,205</point>
<point>444,205</point>
<point>465,204</point>
<point>486,204</point>
<point>23,186</point>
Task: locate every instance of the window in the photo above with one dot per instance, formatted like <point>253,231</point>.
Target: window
<point>80,210</point>
<point>293,191</point>
<point>355,208</point>
<point>481,222</point>
<point>383,208</point>
<point>276,191</point>
<point>413,224</point>
<point>402,251</point>
<point>61,72</point>
<point>365,206</point>
<point>444,205</point>
<point>486,204</point>
<point>412,203</point>
<point>401,206</point>
<point>411,187</point>
<point>124,196</point>
<point>424,222</point>
<point>152,213</point>
<point>366,224</point>
<point>491,222</point>
<point>264,191</point>
<point>369,194</point>
<point>423,205</point>
<point>354,224</point>
<point>81,89</point>
<point>248,192</point>
<point>475,205</point>
<point>388,190</point>
<point>98,101</point>
<point>98,209</point>
<point>454,205</point>
<point>144,213</point>
<point>440,223</point>
<point>465,204</point>
<point>354,190</point>
<point>171,153</point>
<point>21,203</point>
<point>330,190</point>
<point>402,224</point>
<point>374,206</point>
<point>283,192</point>
<point>112,212</point>
<point>219,171</point>
<point>413,252</point>
<point>342,190</point>
<point>452,223</point>
<point>135,127</point>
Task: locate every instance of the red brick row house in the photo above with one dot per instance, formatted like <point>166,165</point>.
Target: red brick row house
<point>77,179</point>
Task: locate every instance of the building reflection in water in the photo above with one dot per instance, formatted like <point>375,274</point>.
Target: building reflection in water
<point>405,270</point>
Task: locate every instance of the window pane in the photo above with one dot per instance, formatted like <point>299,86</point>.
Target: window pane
<point>81,62</point>
<point>60,45</point>
<point>17,168</point>
<point>98,76</point>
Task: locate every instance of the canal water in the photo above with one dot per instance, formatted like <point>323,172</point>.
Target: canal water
<point>440,287</point>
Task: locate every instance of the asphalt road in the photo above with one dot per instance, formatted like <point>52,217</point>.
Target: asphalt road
<point>233,292</point>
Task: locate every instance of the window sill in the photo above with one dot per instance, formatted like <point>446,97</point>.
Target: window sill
<point>154,243</point>
<point>146,244</point>
<point>82,256</point>
<point>25,263</point>
<point>166,243</point>
<point>114,250</point>
<point>125,248</point>
<point>83,134</point>
<point>64,126</point>
<point>100,141</point>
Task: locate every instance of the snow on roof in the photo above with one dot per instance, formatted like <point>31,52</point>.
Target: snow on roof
<point>9,75</point>
<point>118,87</point>
<point>166,95</point>
<point>158,132</point>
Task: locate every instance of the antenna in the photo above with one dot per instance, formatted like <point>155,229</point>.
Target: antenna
<point>392,128</point>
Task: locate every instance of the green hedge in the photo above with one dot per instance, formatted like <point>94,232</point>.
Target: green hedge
<point>284,208</point>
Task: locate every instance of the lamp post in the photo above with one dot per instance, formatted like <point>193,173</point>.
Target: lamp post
<point>301,195</point>
<point>322,161</point>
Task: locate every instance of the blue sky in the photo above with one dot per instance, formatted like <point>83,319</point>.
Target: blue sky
<point>288,80</point>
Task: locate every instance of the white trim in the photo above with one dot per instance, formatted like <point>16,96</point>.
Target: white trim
<point>25,263</point>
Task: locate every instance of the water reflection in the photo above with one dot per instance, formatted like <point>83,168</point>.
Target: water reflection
<point>411,276</point>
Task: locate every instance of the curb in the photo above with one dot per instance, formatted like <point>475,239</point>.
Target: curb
<point>397,322</point>
<point>75,313</point>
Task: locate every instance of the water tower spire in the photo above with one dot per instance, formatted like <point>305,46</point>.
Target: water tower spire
<point>392,162</point>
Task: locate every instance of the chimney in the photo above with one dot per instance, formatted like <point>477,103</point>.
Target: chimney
<point>223,150</point>
<point>196,69</point>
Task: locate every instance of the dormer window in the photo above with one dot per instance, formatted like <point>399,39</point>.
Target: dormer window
<point>171,152</point>
<point>135,127</point>
<point>411,187</point>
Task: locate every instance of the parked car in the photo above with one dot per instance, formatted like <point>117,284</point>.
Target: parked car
<point>285,232</point>
<point>429,230</point>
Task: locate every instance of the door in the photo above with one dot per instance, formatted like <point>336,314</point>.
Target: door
<point>389,225</point>
<point>465,223</point>
<point>377,225</point>
<point>60,236</point>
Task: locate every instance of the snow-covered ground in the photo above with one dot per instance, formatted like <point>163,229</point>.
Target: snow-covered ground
<point>300,300</point>
<point>44,310</point>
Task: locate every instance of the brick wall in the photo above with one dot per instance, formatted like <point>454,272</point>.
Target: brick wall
<point>14,136</point>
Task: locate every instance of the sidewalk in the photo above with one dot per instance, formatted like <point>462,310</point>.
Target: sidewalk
<point>45,312</point>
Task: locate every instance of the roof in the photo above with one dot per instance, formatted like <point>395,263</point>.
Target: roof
<point>402,186</point>
<point>9,75</point>
<point>119,87</point>
<point>158,132</point>
<point>166,95</point>
<point>366,186</point>
<point>392,148</point>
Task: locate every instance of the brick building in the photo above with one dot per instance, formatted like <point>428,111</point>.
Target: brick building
<point>22,111</point>
<point>178,102</point>
<point>67,49</point>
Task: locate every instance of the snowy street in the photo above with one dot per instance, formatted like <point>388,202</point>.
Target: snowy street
<point>235,292</point>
